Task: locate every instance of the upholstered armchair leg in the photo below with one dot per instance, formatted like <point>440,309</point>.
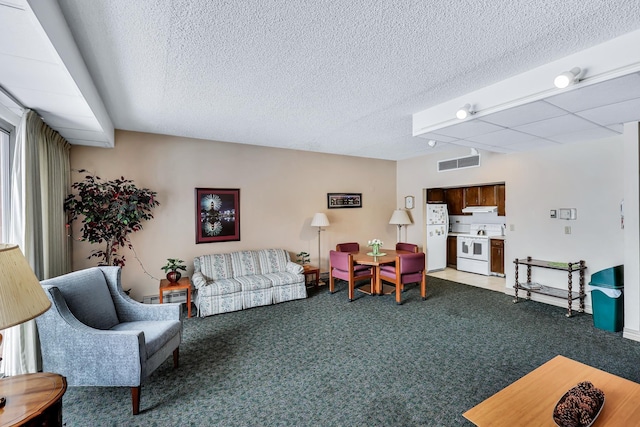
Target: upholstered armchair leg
<point>176,354</point>
<point>423,287</point>
<point>398,293</point>
<point>135,399</point>
<point>331,284</point>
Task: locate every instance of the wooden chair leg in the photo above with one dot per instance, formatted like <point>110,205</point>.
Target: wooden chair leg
<point>331,284</point>
<point>176,356</point>
<point>135,399</point>
<point>399,288</point>
<point>423,287</point>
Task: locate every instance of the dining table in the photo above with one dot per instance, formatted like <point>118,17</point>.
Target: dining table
<point>387,256</point>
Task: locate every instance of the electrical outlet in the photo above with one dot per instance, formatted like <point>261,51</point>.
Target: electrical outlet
<point>567,229</point>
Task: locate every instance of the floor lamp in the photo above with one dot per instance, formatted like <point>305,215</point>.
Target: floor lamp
<point>319,220</point>
<point>400,218</point>
<point>21,296</point>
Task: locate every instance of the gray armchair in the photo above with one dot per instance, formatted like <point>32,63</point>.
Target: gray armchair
<point>95,335</point>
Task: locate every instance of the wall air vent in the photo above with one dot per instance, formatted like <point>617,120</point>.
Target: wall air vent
<point>459,163</point>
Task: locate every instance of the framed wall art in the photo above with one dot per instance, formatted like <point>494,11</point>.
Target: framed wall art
<point>217,215</point>
<point>344,200</point>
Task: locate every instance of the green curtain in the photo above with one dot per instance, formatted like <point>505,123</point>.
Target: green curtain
<point>40,181</point>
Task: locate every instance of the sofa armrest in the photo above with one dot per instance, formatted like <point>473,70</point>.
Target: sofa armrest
<point>294,268</point>
<point>88,356</point>
<point>198,280</point>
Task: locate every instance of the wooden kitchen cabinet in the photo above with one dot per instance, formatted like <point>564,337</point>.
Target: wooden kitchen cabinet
<point>435,195</point>
<point>497,256</point>
<point>454,198</point>
<point>501,194</point>
<point>471,196</point>
<point>452,251</point>
<point>488,195</point>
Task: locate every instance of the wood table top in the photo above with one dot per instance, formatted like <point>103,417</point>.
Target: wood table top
<point>530,401</point>
<point>29,395</point>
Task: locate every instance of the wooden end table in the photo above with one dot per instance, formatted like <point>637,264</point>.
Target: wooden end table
<point>530,400</point>
<point>183,283</point>
<point>32,399</point>
<point>310,270</point>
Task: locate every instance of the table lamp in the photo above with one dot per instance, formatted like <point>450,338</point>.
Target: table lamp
<point>400,218</point>
<point>21,296</point>
<point>319,220</point>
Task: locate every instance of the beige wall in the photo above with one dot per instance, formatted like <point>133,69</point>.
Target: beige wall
<point>280,190</point>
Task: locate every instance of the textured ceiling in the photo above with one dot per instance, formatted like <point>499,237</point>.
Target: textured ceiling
<point>337,76</point>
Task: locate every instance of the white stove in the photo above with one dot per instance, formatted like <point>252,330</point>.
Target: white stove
<point>474,253</point>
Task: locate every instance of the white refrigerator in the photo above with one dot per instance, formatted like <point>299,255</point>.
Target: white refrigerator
<point>437,231</point>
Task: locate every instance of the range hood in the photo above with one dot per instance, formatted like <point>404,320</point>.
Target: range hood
<point>480,209</point>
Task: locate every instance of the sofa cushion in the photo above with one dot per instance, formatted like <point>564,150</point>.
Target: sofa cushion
<point>245,263</point>
<point>284,278</point>
<point>220,287</point>
<point>214,266</point>
<point>273,260</point>
<point>87,295</point>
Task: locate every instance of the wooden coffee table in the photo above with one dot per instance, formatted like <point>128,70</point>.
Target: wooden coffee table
<point>530,400</point>
<point>32,399</point>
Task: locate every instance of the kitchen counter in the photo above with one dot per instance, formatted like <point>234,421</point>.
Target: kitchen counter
<point>454,234</point>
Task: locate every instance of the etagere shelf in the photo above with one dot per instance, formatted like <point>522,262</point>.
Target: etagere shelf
<point>532,287</point>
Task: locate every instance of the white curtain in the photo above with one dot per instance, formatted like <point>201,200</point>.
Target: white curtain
<point>40,178</point>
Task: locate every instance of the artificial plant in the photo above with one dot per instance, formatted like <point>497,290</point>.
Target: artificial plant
<point>111,211</point>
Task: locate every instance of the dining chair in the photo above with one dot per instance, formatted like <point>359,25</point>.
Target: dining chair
<point>409,247</point>
<point>341,267</point>
<point>408,268</point>
<point>348,247</point>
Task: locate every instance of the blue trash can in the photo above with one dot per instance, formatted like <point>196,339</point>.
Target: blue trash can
<point>607,298</point>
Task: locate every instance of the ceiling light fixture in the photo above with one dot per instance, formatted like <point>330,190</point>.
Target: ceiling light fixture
<point>464,112</point>
<point>567,78</point>
<point>432,143</point>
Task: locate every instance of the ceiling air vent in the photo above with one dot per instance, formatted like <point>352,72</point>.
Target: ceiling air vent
<point>459,163</point>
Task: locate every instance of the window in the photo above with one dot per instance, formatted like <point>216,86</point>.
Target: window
<point>5,187</point>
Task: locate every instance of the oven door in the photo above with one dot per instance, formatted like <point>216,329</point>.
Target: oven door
<point>473,248</point>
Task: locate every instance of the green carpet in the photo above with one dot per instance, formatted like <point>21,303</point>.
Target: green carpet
<point>326,362</point>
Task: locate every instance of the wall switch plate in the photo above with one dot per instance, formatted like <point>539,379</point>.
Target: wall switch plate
<point>567,229</point>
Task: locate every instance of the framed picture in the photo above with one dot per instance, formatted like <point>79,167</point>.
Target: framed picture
<point>217,215</point>
<point>344,200</point>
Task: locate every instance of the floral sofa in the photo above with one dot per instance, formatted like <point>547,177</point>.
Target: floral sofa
<point>245,279</point>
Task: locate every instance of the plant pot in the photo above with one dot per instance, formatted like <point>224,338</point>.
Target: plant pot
<point>173,276</point>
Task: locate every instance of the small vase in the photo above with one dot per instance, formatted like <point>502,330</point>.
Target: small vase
<point>173,276</point>
<point>376,249</point>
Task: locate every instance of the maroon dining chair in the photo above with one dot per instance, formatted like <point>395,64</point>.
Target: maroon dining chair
<point>348,247</point>
<point>409,268</point>
<point>409,247</point>
<point>341,267</point>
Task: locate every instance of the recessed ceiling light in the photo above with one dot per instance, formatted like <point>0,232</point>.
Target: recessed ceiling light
<point>432,143</point>
<point>567,78</point>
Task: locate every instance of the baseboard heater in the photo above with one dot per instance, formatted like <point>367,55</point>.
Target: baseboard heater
<point>174,296</point>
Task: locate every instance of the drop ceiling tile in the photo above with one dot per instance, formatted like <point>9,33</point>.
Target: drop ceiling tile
<point>599,94</point>
<point>502,138</point>
<point>534,144</point>
<point>584,135</point>
<point>527,113</point>
<point>437,137</point>
<point>557,126</point>
<point>622,112</point>
<point>618,128</point>
<point>469,128</point>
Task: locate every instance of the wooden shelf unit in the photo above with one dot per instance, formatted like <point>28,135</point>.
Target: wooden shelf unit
<point>531,287</point>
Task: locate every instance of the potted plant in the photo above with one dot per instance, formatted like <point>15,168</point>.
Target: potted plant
<point>171,268</point>
<point>111,210</point>
<point>303,258</point>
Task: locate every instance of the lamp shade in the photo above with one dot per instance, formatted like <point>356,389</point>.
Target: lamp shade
<point>320,220</point>
<point>400,217</point>
<point>21,296</point>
